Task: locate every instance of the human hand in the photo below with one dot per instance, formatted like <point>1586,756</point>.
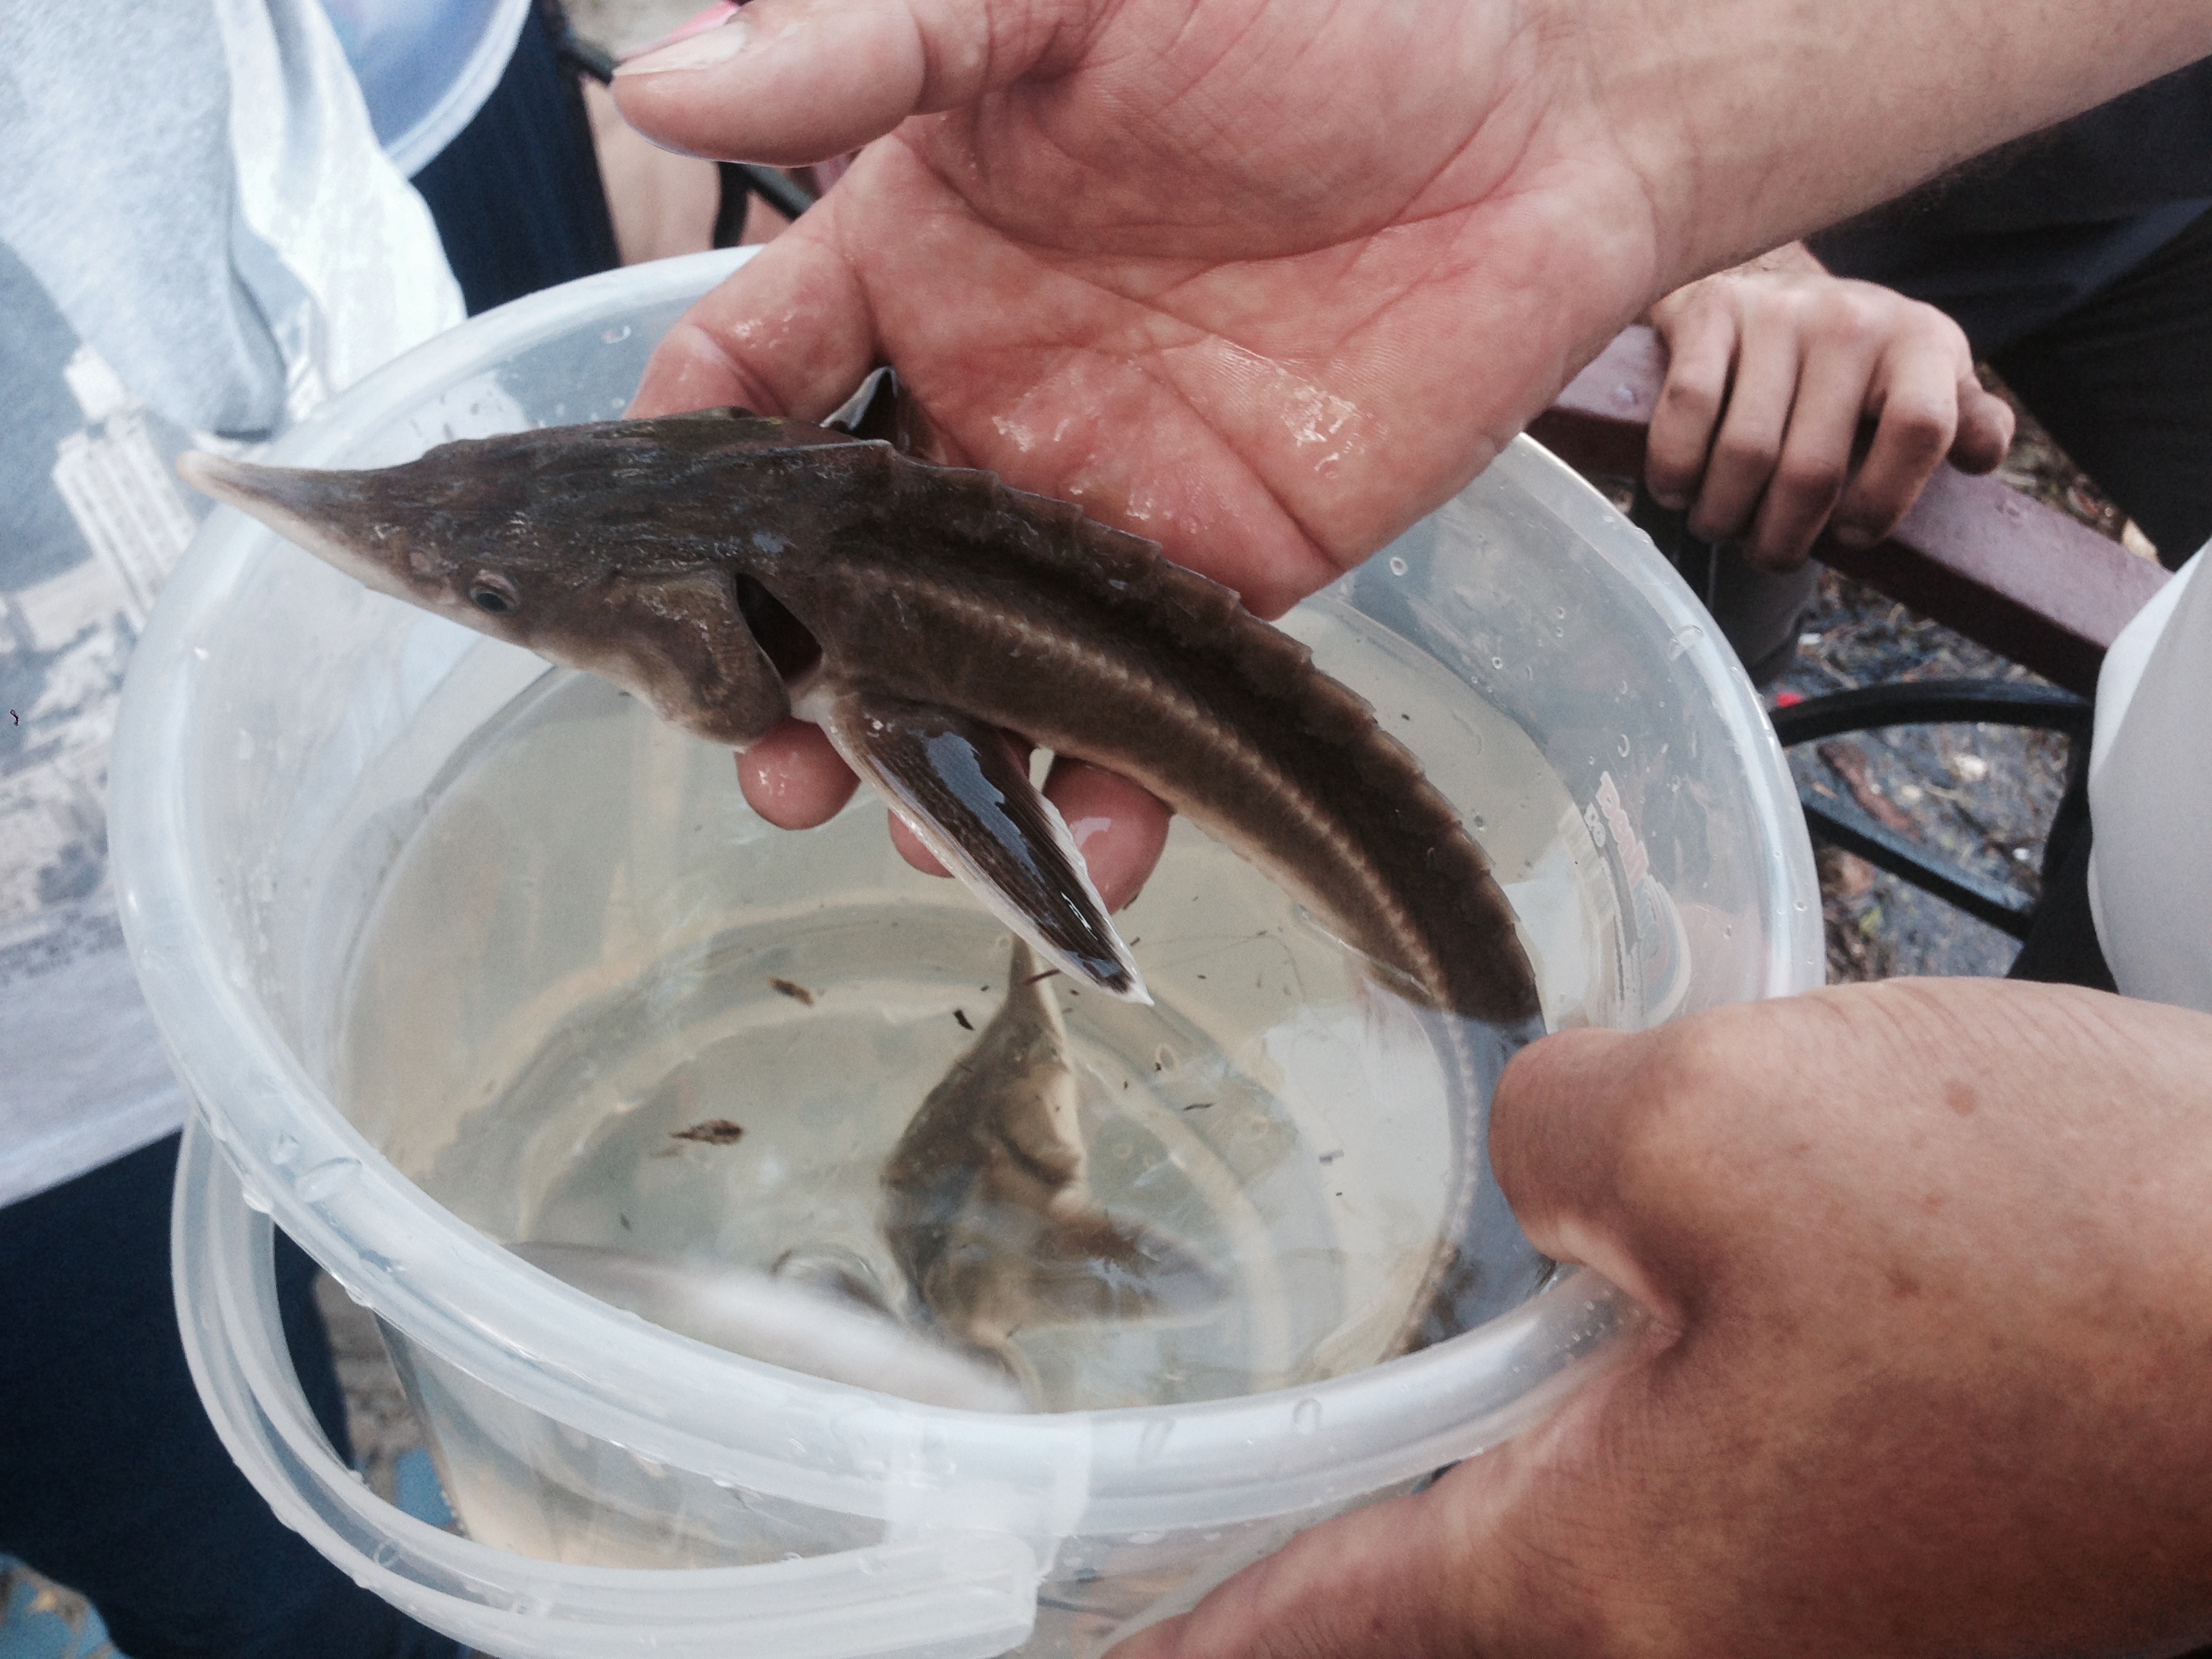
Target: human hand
<point>1163,261</point>
<point>1172,259</point>
<point>1926,1264</point>
<point>1772,370</point>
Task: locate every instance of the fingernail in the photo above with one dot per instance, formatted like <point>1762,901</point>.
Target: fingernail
<point>1673,499</point>
<point>697,51</point>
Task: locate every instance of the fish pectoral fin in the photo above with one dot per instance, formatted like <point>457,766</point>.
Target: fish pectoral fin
<point>1088,1266</point>
<point>953,780</point>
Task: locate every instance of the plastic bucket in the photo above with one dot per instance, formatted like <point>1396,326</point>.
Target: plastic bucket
<point>285,737</point>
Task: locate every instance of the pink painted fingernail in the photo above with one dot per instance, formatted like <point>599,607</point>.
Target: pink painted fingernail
<point>696,51</point>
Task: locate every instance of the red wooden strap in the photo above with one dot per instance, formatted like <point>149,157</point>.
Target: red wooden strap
<point>2003,569</point>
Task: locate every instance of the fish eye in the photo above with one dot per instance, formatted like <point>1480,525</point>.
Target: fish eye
<point>494,593</point>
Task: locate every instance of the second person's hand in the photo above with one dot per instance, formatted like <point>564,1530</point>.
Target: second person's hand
<point>1774,372</point>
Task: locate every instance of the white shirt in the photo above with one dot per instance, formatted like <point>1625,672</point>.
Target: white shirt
<point>199,236</point>
<point>2151,797</point>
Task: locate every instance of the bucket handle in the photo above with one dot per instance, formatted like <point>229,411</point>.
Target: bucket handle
<point>957,1597</point>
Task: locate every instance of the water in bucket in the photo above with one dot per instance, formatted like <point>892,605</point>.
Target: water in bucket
<point>601,1004</point>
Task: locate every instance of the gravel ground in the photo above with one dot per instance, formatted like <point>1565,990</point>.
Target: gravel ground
<point>1982,795</point>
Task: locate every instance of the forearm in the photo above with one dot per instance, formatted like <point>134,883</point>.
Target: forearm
<point>1756,121</point>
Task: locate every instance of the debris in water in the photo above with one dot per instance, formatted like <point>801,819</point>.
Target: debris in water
<point>796,992</point>
<point>960,1016</point>
<point>712,1131</point>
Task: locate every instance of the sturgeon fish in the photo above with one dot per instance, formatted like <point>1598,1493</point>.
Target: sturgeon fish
<point>733,569</point>
<point>987,1204</point>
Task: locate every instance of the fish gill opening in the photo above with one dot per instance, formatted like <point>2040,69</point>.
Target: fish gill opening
<point>789,646</point>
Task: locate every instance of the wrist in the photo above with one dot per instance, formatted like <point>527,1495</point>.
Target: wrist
<point>1750,123</point>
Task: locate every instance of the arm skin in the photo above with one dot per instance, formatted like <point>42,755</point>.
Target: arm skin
<point>1169,259</point>
<point>1926,1263</point>
<point>1773,368</point>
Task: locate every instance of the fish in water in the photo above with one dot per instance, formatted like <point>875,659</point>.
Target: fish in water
<point>987,1206</point>
<point>918,611</point>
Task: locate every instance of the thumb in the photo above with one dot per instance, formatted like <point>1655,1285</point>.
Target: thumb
<point>793,82</point>
<point>1380,1583</point>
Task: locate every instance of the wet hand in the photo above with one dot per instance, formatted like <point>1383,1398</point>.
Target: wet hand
<point>1163,260</point>
<point>1772,376</point>
<point>1925,1264</point>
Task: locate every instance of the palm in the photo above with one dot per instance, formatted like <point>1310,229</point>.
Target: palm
<point>1268,364</point>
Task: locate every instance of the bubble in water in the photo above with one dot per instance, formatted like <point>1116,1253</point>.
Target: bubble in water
<point>283,1150</point>
<point>1480,822</point>
<point>256,1199</point>
<point>1621,748</point>
<point>327,1177</point>
<point>1154,1440</point>
<point>1683,640</point>
<point>1729,931</point>
<point>614,335</point>
<point>1498,662</point>
<point>1163,1058</point>
<point>1397,565</point>
<point>1306,1418</point>
<point>1798,905</point>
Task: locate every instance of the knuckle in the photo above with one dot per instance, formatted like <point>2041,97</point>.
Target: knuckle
<point>1689,396</point>
<point>1746,451</point>
<point>1920,430</point>
<point>1850,315</point>
<point>1816,476</point>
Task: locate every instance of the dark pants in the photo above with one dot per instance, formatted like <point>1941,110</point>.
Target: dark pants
<point>2123,381</point>
<point>112,1481</point>
<point>517,195</point>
